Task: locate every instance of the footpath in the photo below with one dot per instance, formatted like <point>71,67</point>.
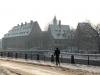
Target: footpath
<point>12,66</point>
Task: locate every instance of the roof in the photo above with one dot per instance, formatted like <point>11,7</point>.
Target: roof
<point>59,32</point>
<point>20,30</point>
<point>86,28</point>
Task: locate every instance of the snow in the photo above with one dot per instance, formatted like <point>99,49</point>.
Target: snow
<point>85,69</point>
<point>35,71</point>
<point>55,29</point>
<point>20,30</point>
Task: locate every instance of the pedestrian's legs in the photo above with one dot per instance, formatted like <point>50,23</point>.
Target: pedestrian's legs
<point>56,61</point>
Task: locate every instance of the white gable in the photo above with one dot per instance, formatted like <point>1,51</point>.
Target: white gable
<point>60,32</point>
<point>20,30</point>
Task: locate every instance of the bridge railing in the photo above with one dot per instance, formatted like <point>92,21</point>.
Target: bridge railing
<point>88,59</point>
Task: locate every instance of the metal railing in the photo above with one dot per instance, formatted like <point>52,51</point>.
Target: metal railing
<point>88,59</point>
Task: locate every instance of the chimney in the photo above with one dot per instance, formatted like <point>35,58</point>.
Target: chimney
<point>31,21</point>
<point>25,23</point>
<point>60,23</point>
<point>21,24</point>
<point>17,24</point>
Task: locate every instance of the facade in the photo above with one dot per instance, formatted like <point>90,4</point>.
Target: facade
<point>59,34</point>
<point>22,37</point>
<point>0,44</point>
<point>84,40</point>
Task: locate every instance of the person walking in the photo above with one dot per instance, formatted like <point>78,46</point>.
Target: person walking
<point>56,53</point>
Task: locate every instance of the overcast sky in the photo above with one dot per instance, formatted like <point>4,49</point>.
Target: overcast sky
<point>70,12</point>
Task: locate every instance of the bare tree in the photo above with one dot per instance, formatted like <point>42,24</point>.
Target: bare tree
<point>89,34</point>
<point>47,25</point>
<point>71,38</point>
<point>95,34</point>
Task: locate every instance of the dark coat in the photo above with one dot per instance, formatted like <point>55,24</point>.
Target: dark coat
<point>57,52</point>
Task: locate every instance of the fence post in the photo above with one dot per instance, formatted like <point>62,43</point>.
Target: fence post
<point>16,55</point>
<point>8,54</point>
<point>26,56</point>
<point>1,54</point>
<point>37,56</point>
<point>52,58</point>
<point>72,59</point>
<point>88,59</point>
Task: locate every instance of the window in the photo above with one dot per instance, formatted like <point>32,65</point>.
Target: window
<point>58,34</point>
<point>63,35</point>
<point>63,30</point>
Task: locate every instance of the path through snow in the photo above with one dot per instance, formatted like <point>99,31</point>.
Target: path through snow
<point>33,67</point>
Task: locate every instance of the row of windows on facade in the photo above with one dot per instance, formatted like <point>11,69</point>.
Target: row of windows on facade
<point>61,35</point>
<point>20,29</point>
<point>17,33</point>
<point>60,30</point>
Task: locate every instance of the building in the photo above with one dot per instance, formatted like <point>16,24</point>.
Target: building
<point>22,37</point>
<point>84,37</point>
<point>59,34</point>
<point>0,44</point>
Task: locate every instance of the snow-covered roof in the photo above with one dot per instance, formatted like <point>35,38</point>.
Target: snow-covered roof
<point>59,31</point>
<point>20,30</point>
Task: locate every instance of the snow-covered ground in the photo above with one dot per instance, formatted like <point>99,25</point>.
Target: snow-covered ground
<point>75,69</point>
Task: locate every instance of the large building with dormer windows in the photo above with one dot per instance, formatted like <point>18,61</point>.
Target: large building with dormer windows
<point>22,37</point>
<point>59,34</point>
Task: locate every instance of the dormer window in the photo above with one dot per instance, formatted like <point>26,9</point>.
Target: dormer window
<point>63,30</point>
<point>63,35</point>
<point>58,34</point>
